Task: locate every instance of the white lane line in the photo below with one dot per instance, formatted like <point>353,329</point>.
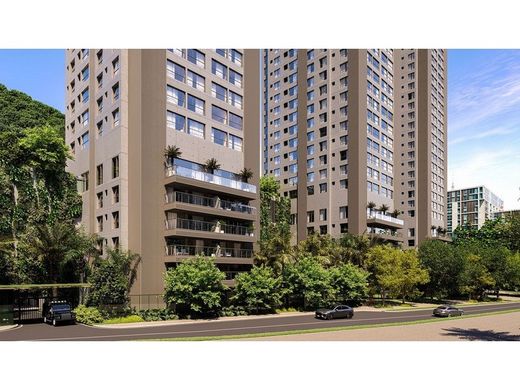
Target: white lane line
<point>227,329</point>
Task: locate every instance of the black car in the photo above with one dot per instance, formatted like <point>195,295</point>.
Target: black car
<point>58,312</point>
<point>340,311</point>
<point>447,311</point>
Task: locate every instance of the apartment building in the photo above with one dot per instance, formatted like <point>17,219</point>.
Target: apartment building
<point>356,138</point>
<point>124,108</point>
<point>472,207</point>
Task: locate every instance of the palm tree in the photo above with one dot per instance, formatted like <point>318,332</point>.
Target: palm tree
<point>384,208</point>
<point>246,174</point>
<point>396,213</point>
<point>440,230</point>
<point>371,206</point>
<point>171,152</point>
<point>211,165</point>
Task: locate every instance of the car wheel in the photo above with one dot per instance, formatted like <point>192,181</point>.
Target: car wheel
<point>329,317</point>
<point>54,322</point>
<point>351,315</point>
<point>449,314</point>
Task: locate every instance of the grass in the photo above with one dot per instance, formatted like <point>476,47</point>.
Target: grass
<point>334,329</point>
<point>124,320</point>
<point>286,310</point>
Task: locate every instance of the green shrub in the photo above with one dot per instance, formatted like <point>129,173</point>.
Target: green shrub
<point>157,315</point>
<point>124,320</point>
<point>88,315</point>
<point>286,310</point>
<point>232,311</point>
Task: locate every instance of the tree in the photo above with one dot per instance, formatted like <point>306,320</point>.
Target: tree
<point>475,279</point>
<point>411,274</point>
<point>112,278</point>
<point>309,283</point>
<point>322,247</point>
<point>396,213</point>
<point>350,282</point>
<point>275,229</point>
<point>171,152</point>
<point>355,247</point>
<point>384,208</point>
<point>211,165</point>
<point>513,271</point>
<point>194,287</point>
<point>371,206</point>
<point>258,290</point>
<point>246,174</point>
<point>444,265</point>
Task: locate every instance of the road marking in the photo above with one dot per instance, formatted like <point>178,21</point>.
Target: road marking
<point>226,329</point>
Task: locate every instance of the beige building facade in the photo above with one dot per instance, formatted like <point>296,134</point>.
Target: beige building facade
<point>357,139</point>
<point>124,107</point>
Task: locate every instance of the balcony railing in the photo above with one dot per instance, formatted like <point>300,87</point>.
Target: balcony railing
<point>192,250</point>
<point>384,217</point>
<point>384,232</point>
<point>208,178</point>
<point>215,227</point>
<point>204,201</point>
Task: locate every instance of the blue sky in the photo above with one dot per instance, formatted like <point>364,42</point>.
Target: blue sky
<point>483,110</point>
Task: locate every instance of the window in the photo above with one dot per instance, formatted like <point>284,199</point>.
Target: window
<point>85,73</point>
<point>85,118</point>
<point>196,57</point>
<point>176,71</point>
<point>276,172</point>
<point>115,167</point>
<point>100,223</point>
<point>235,121</point>
<point>196,81</point>
<point>99,200</point>
<point>277,160</point>
<point>115,66</point>
<point>310,190</point>
<point>310,150</point>
<point>175,121</point>
<point>235,99</point>
<point>195,128</point>
<point>175,96</point>
<point>293,142</point>
<point>115,220</point>
<point>115,92</point>
<point>323,214</point>
<point>83,182</point>
<point>310,136</point>
<point>115,194</point>
<point>236,56</point>
<point>99,56</point>
<point>235,78</point>
<point>310,163</point>
<point>195,104</point>
<point>84,95</point>
<point>323,187</point>
<point>115,242</point>
<point>84,140</point>
<point>218,114</point>
<point>218,137</point>
<point>116,117</point>
<point>99,174</point>
<point>343,212</point>
<point>219,70</point>
<point>310,216</point>
<point>219,92</point>
<point>293,168</point>
<point>99,103</point>
<point>323,174</point>
<point>310,177</point>
<point>293,156</point>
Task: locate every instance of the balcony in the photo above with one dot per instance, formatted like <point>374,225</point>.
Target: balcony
<point>210,202</point>
<point>215,228</point>
<point>378,218</point>
<point>208,178</point>
<point>221,255</point>
<point>386,234</point>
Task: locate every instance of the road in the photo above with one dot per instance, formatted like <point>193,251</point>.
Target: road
<point>44,332</point>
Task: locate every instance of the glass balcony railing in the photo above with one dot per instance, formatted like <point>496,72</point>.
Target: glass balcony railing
<point>192,250</point>
<point>205,201</point>
<point>209,178</point>
<point>384,217</point>
<point>215,227</point>
<point>384,232</point>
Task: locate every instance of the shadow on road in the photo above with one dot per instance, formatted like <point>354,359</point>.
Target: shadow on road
<point>481,335</point>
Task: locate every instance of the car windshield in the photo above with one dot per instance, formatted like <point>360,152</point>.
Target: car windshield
<point>442,307</point>
<point>62,307</point>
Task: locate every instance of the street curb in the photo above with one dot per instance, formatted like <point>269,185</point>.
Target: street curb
<point>9,327</point>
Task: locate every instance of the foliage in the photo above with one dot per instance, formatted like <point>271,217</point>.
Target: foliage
<point>275,229</point>
<point>350,283</point>
<point>394,271</point>
<point>157,315</point>
<point>124,320</point>
<point>211,165</point>
<point>194,287</point>
<point>233,311</point>
<point>322,247</point>
<point>492,233</point>
<point>475,279</point>
<point>258,290</point>
<point>355,248</point>
<point>88,315</point>
<point>246,174</point>
<point>444,265</point>
<point>309,283</point>
<point>171,152</point>
<point>112,278</point>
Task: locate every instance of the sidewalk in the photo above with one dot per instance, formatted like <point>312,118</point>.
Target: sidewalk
<point>7,327</point>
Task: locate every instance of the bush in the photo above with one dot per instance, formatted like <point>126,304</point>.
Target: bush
<point>258,290</point>
<point>157,315</point>
<point>88,315</point>
<point>232,311</point>
<point>124,320</point>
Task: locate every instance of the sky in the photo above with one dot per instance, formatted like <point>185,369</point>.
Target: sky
<point>483,111</point>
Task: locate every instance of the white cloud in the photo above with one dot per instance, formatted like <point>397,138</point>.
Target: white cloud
<point>488,133</point>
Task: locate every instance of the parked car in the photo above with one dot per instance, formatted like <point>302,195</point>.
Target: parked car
<point>57,312</point>
<point>339,311</point>
<point>447,311</point>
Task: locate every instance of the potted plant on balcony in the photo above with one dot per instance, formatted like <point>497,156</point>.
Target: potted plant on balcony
<point>245,174</point>
<point>211,165</point>
<point>396,213</point>
<point>250,230</point>
<point>384,208</point>
<point>440,231</point>
<point>371,206</point>
<point>171,152</point>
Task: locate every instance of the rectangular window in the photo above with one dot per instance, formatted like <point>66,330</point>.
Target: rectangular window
<point>235,99</point>
<point>115,167</point>
<point>84,140</point>
<point>235,78</point>
<point>323,214</point>
<point>219,70</point>
<point>235,121</point>
<point>99,200</point>
<point>115,194</point>
<point>176,71</point>
<point>196,81</point>
<point>115,220</point>
<point>218,114</point>
<point>195,104</point>
<point>219,92</point>
<point>196,57</point>
<point>310,216</point>
<point>84,182</point>
<point>195,128</point>
<point>85,118</point>
<point>175,121</point>
<point>175,96</point>
<point>116,117</point>
<point>85,73</point>
<point>99,174</point>
<point>115,92</point>
<point>235,142</point>
<point>115,66</point>
<point>84,95</point>
<point>343,212</point>
<point>236,57</point>
<point>218,137</point>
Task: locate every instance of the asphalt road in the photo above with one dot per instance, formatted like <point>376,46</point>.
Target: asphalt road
<point>44,332</point>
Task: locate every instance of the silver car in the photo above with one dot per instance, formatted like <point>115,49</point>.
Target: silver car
<point>447,311</point>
